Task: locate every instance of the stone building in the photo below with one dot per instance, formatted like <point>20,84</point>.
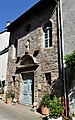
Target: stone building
<point>33,63</point>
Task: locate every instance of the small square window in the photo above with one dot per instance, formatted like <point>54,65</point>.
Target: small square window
<point>48,77</point>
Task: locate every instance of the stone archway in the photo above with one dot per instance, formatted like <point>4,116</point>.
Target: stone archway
<point>26,68</point>
<point>26,60</point>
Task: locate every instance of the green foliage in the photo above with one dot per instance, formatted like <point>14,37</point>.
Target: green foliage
<point>8,94</point>
<point>54,104</point>
<point>70,60</point>
<point>45,100</point>
<point>56,108</point>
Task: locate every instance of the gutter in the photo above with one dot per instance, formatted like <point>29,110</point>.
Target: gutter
<point>4,50</point>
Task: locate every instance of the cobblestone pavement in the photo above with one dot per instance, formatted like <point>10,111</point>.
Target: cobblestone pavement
<point>18,112</point>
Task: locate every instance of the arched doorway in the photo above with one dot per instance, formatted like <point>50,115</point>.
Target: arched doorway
<point>26,68</point>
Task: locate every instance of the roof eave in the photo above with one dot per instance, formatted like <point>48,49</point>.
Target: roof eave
<point>34,9</point>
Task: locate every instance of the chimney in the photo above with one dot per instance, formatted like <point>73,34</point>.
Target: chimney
<point>8,23</point>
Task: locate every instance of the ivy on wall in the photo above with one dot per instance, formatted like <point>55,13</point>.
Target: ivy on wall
<point>70,60</point>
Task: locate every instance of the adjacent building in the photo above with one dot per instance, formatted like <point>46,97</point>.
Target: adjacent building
<point>4,45</point>
<point>68,15</point>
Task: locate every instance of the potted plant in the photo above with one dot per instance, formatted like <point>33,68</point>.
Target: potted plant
<point>52,106</point>
<point>56,108</point>
<point>8,97</point>
<point>44,104</point>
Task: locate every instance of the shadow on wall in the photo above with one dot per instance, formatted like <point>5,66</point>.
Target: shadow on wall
<point>56,87</point>
<point>71,82</point>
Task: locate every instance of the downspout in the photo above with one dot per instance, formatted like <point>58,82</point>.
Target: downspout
<point>59,42</point>
<point>61,47</point>
<point>62,66</point>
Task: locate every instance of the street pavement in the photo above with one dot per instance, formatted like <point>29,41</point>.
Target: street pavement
<point>18,112</point>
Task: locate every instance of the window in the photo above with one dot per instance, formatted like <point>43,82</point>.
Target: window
<point>3,83</point>
<point>13,79</point>
<point>48,34</point>
<point>14,49</point>
<point>48,77</point>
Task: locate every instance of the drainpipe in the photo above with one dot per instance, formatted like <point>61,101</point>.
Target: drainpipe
<point>61,59</point>
<point>64,77</point>
<point>61,49</point>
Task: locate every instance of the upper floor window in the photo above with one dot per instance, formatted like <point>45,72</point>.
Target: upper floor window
<point>48,34</point>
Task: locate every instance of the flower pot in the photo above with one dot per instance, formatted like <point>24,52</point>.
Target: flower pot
<point>8,100</point>
<point>44,110</point>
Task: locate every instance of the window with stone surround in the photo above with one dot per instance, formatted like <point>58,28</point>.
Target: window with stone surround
<point>15,49</point>
<point>47,34</point>
<point>13,77</point>
<point>48,77</point>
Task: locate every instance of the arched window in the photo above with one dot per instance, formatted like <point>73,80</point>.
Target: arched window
<point>48,34</point>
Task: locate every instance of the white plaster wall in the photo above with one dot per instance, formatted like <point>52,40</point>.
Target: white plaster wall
<point>68,10</point>
<point>4,42</point>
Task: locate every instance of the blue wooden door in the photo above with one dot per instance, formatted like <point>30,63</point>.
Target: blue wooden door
<point>26,90</point>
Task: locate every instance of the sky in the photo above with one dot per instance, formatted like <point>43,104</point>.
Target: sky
<point>10,10</point>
